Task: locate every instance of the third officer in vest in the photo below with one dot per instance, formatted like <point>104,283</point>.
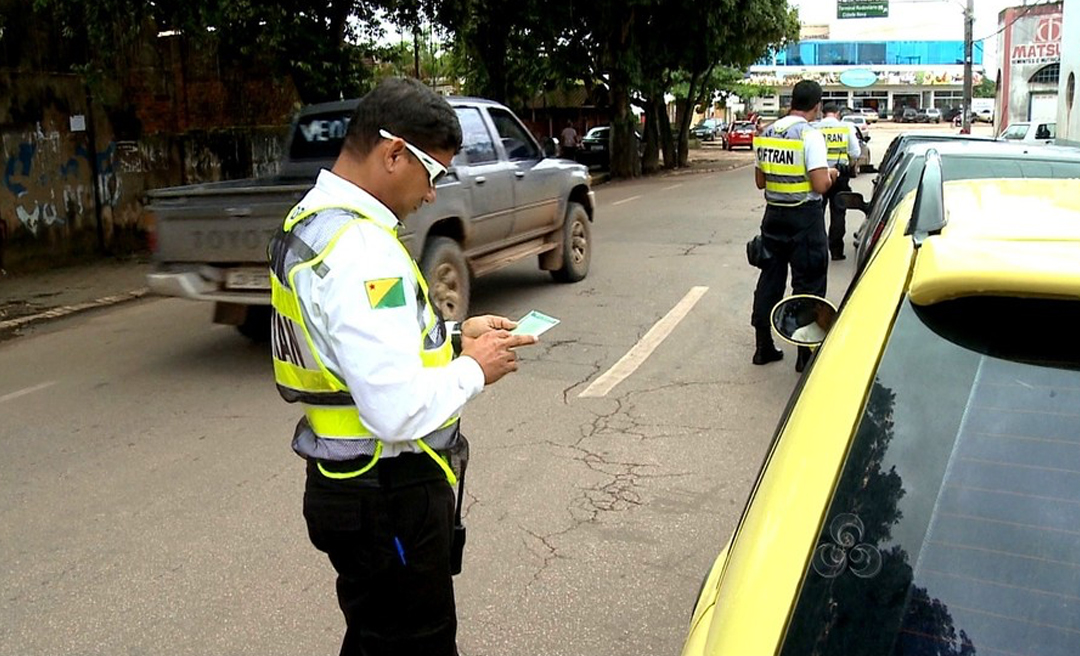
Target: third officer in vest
<point>842,142</point>
<point>359,346</point>
<point>792,168</point>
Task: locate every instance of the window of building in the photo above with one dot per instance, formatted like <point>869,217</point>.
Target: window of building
<point>870,54</point>
<point>1048,74</point>
<point>838,53</point>
<point>946,100</point>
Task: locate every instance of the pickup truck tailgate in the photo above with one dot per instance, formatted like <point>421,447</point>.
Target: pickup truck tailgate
<point>219,224</point>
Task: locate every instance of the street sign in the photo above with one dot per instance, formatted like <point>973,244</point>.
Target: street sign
<point>862,8</point>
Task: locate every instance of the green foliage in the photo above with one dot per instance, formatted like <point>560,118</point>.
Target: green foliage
<point>984,89</point>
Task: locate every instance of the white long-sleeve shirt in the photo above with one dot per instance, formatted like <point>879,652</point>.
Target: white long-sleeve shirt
<point>377,351</point>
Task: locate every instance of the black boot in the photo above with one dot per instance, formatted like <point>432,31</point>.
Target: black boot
<point>803,359</point>
<point>766,351</point>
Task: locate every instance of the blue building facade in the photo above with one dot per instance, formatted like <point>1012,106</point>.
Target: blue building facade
<point>902,73</point>
<point>873,53</point>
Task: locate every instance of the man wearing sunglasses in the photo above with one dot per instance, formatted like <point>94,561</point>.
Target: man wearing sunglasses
<point>359,345</point>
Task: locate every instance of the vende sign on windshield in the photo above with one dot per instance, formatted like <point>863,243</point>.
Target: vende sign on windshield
<point>1041,45</point>
<point>862,8</point>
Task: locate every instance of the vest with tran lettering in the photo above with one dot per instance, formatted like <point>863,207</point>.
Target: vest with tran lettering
<point>836,141</point>
<point>329,409</point>
<point>781,156</point>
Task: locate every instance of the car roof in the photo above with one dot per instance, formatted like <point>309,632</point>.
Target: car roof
<point>990,246</point>
<point>984,147</point>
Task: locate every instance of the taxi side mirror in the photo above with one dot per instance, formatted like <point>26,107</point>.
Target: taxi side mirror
<point>803,320</point>
<point>852,200</point>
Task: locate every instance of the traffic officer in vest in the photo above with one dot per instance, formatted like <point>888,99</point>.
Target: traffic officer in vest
<point>792,168</point>
<point>359,346</point>
<point>842,143</point>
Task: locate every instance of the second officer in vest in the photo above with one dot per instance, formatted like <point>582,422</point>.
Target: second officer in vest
<point>792,168</point>
<point>842,143</point>
<point>360,347</point>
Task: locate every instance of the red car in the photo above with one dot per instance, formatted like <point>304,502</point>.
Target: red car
<point>739,133</point>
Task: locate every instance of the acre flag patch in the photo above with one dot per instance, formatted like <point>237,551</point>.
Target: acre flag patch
<point>385,293</point>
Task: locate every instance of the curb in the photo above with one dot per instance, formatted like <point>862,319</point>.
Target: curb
<point>68,310</point>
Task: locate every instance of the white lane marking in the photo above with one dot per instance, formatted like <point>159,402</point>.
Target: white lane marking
<point>625,200</point>
<point>23,392</point>
<point>674,186</point>
<point>641,351</point>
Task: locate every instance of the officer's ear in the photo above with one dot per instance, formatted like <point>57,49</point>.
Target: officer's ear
<point>392,153</point>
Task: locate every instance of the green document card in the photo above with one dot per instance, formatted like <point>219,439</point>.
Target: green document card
<point>534,323</point>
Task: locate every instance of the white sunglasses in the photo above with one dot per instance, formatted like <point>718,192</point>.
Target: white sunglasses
<point>434,170</point>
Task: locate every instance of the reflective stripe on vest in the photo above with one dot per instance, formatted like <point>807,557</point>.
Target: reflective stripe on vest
<point>300,373</point>
<point>836,141</point>
<point>781,157</point>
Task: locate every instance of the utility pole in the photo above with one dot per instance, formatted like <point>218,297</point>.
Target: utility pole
<point>969,23</point>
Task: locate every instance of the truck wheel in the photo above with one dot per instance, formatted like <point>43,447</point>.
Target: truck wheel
<point>577,245</point>
<point>256,325</point>
<point>447,276</point>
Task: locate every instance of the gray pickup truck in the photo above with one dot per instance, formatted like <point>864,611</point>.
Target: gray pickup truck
<point>505,198</point>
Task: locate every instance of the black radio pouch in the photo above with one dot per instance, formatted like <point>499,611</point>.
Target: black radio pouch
<point>457,544</point>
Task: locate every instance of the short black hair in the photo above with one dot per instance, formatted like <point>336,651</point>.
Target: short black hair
<point>831,108</point>
<point>405,108</point>
<point>805,96</point>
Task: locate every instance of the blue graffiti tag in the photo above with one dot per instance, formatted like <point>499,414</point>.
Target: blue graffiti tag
<point>26,158</point>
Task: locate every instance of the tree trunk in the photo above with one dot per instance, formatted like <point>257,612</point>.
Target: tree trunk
<point>650,161</point>
<point>624,156</point>
<point>667,142</point>
<point>684,120</point>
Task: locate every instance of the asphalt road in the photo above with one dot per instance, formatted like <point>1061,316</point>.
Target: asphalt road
<point>152,503</point>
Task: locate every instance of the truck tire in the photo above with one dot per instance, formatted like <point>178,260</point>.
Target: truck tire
<point>577,245</point>
<point>447,276</point>
<point>256,325</point>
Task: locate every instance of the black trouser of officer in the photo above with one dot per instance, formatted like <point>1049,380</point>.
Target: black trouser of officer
<point>388,535</point>
<point>795,237</point>
<point>837,213</point>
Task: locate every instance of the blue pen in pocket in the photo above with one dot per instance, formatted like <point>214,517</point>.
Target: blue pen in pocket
<point>400,549</point>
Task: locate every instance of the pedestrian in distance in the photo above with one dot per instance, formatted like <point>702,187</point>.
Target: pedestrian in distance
<point>842,143</point>
<point>569,141</point>
<point>792,169</point>
<point>358,343</point>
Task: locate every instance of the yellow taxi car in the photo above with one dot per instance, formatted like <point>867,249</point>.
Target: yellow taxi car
<point>922,494</point>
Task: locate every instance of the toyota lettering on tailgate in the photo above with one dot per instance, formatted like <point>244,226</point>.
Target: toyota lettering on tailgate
<point>218,239</point>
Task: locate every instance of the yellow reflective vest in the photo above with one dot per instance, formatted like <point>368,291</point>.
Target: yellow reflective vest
<point>836,143</point>
<point>782,158</point>
<point>300,373</point>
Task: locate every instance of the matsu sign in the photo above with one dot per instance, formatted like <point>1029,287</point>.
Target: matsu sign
<point>1043,44</point>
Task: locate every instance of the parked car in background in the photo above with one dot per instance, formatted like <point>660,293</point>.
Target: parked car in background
<point>595,147</point>
<point>869,113</point>
<point>1030,132</point>
<point>919,495</point>
<point>905,115</point>
<point>858,120</point>
<point>928,115</point>
<point>984,115</point>
<point>707,130</point>
<point>738,134</point>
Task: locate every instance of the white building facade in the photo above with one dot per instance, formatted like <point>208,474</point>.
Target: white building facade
<point>1029,63</point>
<point>1068,114</point>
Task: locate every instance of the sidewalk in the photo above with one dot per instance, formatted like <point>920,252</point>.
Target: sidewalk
<point>31,298</point>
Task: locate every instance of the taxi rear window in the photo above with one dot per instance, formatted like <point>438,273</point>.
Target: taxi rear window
<point>955,525</point>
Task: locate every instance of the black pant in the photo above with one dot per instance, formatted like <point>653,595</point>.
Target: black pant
<point>837,214</point>
<point>395,602</point>
<point>795,236</point>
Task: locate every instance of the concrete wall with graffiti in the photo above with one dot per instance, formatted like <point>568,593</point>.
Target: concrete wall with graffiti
<point>48,210</point>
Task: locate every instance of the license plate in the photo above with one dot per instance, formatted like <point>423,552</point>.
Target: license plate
<point>247,278</point>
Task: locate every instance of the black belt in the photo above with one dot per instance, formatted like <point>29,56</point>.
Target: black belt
<point>399,471</point>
